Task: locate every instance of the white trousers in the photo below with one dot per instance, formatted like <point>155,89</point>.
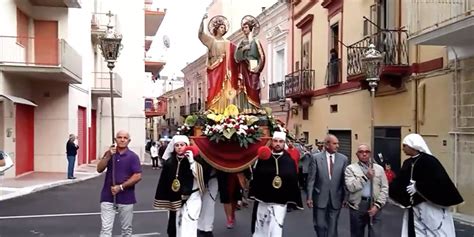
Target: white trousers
<point>107,216</point>
<point>187,216</point>
<point>269,221</point>
<point>206,219</point>
<point>430,221</point>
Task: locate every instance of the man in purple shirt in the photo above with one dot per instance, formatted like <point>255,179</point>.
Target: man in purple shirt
<point>127,173</point>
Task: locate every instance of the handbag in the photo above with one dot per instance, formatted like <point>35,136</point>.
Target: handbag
<point>8,162</point>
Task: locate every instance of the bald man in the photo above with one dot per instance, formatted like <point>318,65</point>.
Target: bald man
<point>127,173</point>
<point>363,204</point>
<point>326,191</point>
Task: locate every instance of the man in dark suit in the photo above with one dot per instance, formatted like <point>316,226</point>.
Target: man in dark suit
<point>326,190</point>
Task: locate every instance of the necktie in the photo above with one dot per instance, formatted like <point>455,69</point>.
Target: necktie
<point>331,164</point>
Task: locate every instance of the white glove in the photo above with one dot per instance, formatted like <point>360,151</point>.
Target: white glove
<point>411,189</point>
<point>190,156</point>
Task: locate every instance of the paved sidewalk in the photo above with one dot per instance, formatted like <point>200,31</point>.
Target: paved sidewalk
<point>37,181</point>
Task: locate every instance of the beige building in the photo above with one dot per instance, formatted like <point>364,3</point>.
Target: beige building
<point>176,102</point>
<point>416,92</point>
<point>53,81</point>
<point>442,32</point>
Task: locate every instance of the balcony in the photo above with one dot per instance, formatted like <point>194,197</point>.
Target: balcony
<point>101,86</point>
<point>99,23</point>
<point>40,59</point>
<point>299,86</point>
<point>155,107</point>
<point>277,91</point>
<point>148,42</point>
<point>194,108</point>
<point>57,3</point>
<point>183,110</point>
<point>441,22</point>
<point>334,73</point>
<point>154,66</point>
<point>153,19</point>
<point>393,44</point>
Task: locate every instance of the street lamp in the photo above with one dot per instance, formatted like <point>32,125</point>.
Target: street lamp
<point>371,63</point>
<point>110,46</point>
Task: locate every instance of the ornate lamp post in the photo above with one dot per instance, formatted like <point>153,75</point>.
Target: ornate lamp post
<point>110,45</point>
<point>371,63</point>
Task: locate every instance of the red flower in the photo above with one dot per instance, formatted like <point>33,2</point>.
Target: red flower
<point>237,127</point>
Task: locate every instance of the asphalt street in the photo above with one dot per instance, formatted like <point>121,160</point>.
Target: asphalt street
<point>73,210</point>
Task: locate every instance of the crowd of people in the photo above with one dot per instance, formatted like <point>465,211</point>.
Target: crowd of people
<point>284,171</point>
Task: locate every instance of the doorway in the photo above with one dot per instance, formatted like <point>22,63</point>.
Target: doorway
<point>387,146</point>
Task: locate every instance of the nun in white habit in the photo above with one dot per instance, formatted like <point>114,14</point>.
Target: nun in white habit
<point>424,188</point>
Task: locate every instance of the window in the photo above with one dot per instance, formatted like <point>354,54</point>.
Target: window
<point>306,52</point>
<point>334,41</point>
<point>22,22</point>
<point>305,114</point>
<point>279,73</point>
<point>333,108</point>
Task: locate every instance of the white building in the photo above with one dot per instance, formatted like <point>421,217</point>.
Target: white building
<point>53,81</point>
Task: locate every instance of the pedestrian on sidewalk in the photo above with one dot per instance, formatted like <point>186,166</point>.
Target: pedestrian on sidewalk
<point>423,187</point>
<point>71,152</point>
<point>127,173</point>
<point>274,187</point>
<point>326,189</point>
<point>154,155</point>
<point>180,187</point>
<point>365,208</point>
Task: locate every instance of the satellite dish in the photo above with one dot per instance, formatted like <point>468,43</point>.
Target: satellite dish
<point>166,41</point>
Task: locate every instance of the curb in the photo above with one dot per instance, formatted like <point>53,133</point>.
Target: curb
<point>40,187</point>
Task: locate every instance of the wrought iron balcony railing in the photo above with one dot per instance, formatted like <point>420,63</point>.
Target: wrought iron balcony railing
<point>299,83</point>
<point>183,110</point>
<point>277,91</point>
<point>392,43</point>
<point>333,73</point>
<point>194,108</point>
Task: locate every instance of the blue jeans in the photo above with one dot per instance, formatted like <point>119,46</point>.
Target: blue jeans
<point>70,167</point>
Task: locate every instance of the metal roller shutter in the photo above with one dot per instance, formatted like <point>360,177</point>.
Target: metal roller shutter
<point>345,142</point>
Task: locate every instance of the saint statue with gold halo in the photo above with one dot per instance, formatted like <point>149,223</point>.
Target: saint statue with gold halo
<point>251,59</point>
<point>221,67</point>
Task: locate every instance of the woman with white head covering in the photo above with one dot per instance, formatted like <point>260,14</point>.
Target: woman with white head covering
<point>425,189</point>
<point>180,187</point>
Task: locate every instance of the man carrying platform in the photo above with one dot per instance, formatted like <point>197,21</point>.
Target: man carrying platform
<point>274,186</point>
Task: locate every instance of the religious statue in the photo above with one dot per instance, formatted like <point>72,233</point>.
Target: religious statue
<point>221,67</point>
<point>251,59</point>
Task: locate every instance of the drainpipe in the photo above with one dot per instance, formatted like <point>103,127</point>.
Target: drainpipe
<point>417,54</point>
<point>456,124</point>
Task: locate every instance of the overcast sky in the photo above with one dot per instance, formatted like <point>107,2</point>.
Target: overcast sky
<point>180,24</point>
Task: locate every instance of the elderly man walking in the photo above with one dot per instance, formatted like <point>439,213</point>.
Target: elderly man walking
<point>127,173</point>
<point>325,191</point>
<point>366,208</point>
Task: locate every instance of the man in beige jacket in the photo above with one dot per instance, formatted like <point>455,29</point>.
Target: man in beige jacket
<point>362,205</point>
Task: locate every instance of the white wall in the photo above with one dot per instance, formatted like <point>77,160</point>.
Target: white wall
<point>129,110</point>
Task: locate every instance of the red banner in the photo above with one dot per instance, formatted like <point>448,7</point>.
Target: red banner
<point>228,156</point>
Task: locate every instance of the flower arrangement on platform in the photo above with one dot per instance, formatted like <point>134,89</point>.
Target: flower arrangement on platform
<point>231,126</point>
<point>185,129</point>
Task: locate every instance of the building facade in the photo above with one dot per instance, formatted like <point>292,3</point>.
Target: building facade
<point>414,94</point>
<point>441,33</point>
<point>53,80</point>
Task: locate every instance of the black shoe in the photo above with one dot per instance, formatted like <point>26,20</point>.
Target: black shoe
<point>202,233</point>
<point>71,177</point>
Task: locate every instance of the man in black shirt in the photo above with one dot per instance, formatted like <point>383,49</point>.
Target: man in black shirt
<point>71,152</point>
